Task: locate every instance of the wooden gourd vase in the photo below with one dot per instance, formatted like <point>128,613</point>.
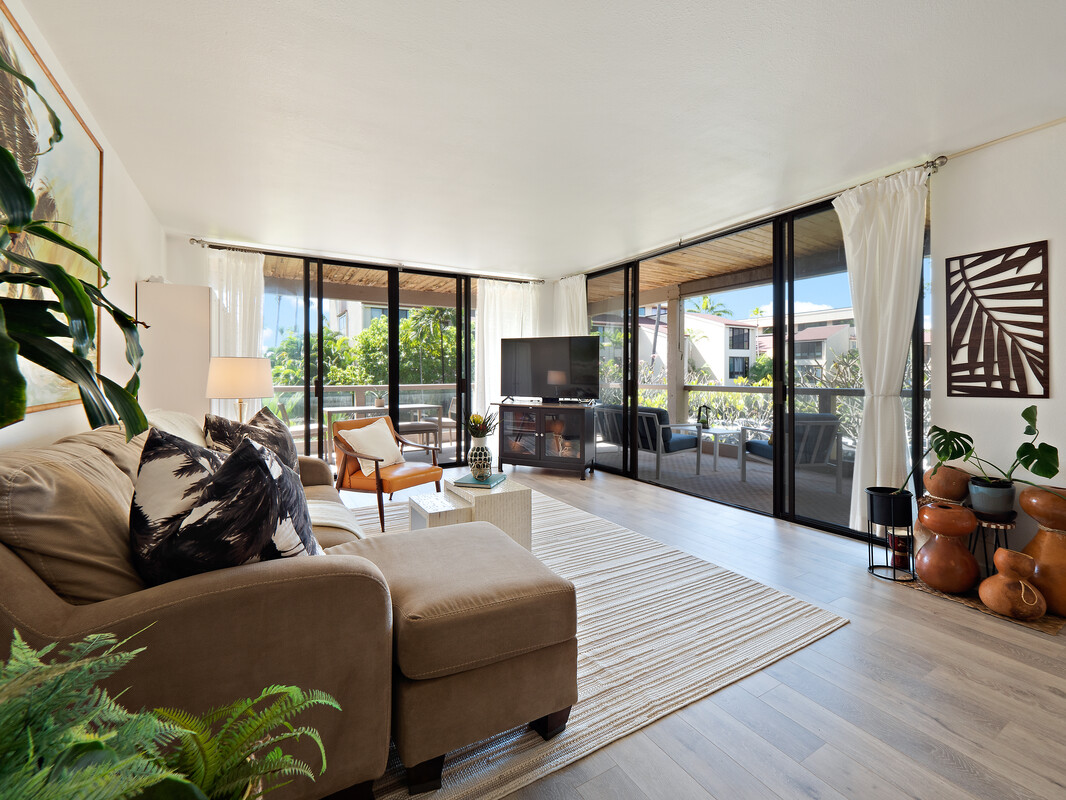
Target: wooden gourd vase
<point>1048,547</point>
<point>944,563</point>
<point>1011,592</point>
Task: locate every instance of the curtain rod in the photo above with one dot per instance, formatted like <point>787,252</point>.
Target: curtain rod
<point>206,243</point>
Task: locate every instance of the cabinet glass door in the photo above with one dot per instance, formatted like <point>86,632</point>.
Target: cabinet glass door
<point>562,434</point>
<point>518,433</point>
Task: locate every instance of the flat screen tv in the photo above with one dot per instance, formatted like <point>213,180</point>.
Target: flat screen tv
<point>551,367</point>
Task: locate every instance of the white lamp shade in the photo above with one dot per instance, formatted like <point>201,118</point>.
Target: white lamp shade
<point>239,378</point>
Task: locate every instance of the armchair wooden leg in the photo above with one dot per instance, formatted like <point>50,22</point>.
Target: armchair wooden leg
<point>381,510</point>
<point>361,791</point>
<point>425,777</point>
<point>551,725</point>
<point>437,484</point>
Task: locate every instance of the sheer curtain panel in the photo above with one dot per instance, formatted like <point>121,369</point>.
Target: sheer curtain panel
<point>883,224</point>
<point>571,307</point>
<point>505,310</point>
<point>236,280</point>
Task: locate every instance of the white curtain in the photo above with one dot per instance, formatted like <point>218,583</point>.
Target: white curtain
<point>236,281</point>
<point>505,310</point>
<point>571,307</point>
<point>884,225</point>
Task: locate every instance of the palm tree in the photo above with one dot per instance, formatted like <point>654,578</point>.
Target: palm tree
<point>431,322</point>
<point>709,306</point>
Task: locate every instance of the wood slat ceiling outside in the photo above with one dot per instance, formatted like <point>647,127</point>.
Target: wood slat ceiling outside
<point>737,252</point>
<point>293,269</point>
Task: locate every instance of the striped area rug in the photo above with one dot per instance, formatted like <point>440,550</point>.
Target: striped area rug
<point>657,629</point>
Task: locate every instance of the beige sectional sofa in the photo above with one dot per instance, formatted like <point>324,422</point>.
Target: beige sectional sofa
<point>482,651</point>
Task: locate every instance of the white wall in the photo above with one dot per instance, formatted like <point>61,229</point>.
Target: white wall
<point>1007,194</point>
<point>132,249</point>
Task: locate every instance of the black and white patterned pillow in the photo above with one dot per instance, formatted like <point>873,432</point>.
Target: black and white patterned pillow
<point>195,510</point>
<point>265,428</point>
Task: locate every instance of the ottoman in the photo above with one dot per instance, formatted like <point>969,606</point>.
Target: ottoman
<point>485,639</point>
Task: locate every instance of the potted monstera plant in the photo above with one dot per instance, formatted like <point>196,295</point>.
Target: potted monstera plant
<point>891,506</point>
<point>992,492</point>
<point>43,305</point>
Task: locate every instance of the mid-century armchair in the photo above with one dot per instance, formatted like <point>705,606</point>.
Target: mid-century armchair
<point>392,478</point>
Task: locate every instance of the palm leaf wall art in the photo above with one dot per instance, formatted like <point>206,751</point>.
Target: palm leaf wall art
<point>997,313</point>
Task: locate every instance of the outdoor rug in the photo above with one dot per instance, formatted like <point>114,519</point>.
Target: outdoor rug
<point>657,629</point>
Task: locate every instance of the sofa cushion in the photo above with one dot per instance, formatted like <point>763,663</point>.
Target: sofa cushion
<point>64,509</point>
<point>194,510</point>
<point>465,596</point>
<point>266,429</point>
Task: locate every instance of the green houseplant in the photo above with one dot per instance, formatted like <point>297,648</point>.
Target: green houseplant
<point>61,736</point>
<point>30,326</point>
<point>234,751</point>
<point>992,495</point>
<point>891,506</point>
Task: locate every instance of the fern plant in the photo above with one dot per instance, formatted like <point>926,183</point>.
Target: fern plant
<point>63,737</point>
<point>237,746</point>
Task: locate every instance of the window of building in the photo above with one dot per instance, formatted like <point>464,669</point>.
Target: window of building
<point>342,323</point>
<point>738,339</point>
<point>738,367</point>
<point>808,349</point>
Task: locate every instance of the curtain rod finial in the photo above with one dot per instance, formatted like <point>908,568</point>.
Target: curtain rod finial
<point>936,163</point>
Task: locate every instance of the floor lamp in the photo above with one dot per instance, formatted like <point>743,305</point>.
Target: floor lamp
<point>239,379</point>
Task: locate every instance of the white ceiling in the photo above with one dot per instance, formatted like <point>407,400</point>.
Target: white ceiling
<point>537,138</point>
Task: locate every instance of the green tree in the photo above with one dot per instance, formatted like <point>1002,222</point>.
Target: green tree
<point>762,369</point>
<point>709,305</point>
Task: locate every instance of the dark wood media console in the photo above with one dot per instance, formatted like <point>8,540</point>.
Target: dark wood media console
<point>551,435</point>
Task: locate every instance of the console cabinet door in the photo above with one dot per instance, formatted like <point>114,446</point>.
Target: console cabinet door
<point>563,431</point>
<point>519,438</point>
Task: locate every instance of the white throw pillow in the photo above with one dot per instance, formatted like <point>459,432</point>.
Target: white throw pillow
<point>374,439</point>
<point>178,423</point>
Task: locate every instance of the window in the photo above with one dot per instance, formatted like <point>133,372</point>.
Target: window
<point>738,367</point>
<point>808,349</point>
<point>342,323</point>
<point>738,339</point>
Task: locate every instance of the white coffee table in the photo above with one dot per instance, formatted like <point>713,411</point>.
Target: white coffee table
<point>508,506</point>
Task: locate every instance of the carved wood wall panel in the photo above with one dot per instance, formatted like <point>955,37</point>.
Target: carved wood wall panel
<point>997,314</point>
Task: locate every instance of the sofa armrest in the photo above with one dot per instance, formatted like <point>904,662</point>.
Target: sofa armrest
<point>315,472</point>
<point>320,622</point>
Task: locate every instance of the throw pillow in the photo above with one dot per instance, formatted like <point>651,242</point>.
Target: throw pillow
<point>195,510</point>
<point>375,439</point>
<point>266,429</point>
<point>179,423</point>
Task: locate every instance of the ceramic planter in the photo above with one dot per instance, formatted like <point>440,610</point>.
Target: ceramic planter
<point>1048,547</point>
<point>944,563</point>
<point>1011,592</point>
<point>949,483</point>
<point>885,506</point>
<point>480,458</point>
<point>992,501</point>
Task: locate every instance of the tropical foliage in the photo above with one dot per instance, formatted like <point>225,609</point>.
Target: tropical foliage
<point>46,305</point>
<point>63,737</point>
<point>240,744</point>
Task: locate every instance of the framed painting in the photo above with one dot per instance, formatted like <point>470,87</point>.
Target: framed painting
<point>997,315</point>
<point>67,182</point>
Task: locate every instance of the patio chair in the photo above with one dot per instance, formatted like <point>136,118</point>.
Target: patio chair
<point>655,433</point>
<point>817,444</point>
<point>448,423</point>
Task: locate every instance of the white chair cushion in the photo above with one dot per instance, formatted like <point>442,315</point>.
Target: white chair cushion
<point>374,439</point>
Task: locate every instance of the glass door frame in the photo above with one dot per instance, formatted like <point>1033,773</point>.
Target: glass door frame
<point>784,402</point>
<point>314,369</point>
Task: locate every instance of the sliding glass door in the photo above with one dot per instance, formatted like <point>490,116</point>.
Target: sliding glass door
<point>745,385</point>
<point>355,341</point>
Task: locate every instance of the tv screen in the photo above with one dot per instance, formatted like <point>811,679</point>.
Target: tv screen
<point>551,367</point>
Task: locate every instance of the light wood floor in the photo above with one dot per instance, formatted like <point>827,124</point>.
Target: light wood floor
<point>918,697</point>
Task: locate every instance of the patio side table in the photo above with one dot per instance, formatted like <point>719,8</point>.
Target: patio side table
<point>715,433</point>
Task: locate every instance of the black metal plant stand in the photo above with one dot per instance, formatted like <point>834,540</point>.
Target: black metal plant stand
<point>891,557</point>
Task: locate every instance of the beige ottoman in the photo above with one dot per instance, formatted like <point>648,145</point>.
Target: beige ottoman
<point>484,640</point>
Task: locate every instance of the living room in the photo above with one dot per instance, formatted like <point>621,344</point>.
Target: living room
<point>466,145</point>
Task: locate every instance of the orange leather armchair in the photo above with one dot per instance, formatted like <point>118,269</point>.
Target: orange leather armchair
<point>389,479</point>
